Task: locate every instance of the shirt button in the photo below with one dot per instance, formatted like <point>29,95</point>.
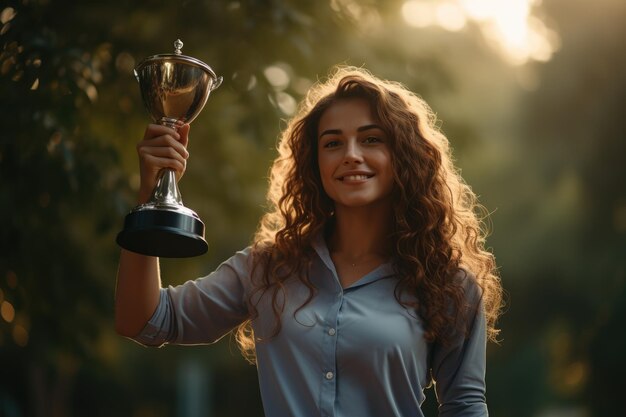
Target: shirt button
<point>332,331</point>
<point>329,375</point>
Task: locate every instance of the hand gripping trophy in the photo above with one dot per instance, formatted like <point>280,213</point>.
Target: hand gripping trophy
<point>174,89</point>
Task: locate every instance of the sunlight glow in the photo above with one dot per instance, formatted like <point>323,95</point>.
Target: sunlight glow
<point>286,103</point>
<point>277,77</point>
<point>7,14</point>
<point>419,14</point>
<point>450,16</point>
<point>7,311</point>
<point>508,26</point>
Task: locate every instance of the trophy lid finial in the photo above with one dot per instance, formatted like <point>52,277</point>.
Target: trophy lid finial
<point>178,45</point>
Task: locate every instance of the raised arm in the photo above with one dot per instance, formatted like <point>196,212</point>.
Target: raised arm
<point>138,277</point>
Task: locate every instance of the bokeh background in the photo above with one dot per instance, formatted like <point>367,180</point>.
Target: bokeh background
<point>531,94</point>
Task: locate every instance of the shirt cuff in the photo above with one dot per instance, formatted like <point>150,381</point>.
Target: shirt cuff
<point>158,330</point>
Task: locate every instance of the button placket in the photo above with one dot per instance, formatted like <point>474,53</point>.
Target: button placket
<point>329,374</point>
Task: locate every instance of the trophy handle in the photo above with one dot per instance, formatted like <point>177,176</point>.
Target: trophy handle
<point>217,82</point>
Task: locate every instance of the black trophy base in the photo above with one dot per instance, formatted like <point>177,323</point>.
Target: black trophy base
<point>163,233</point>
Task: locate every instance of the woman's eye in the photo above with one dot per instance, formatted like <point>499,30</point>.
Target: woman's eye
<point>372,139</point>
<point>331,144</point>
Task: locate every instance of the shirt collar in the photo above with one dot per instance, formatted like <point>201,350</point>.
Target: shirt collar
<point>384,270</point>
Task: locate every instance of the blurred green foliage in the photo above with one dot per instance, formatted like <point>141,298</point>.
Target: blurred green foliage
<point>543,144</point>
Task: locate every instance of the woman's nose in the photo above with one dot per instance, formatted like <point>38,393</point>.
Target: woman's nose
<point>353,153</point>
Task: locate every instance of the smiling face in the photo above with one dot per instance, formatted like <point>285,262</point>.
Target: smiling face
<point>353,155</point>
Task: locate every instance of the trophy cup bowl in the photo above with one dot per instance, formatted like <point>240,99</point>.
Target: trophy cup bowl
<point>174,89</point>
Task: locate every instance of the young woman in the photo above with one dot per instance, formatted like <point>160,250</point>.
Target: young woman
<point>367,280</point>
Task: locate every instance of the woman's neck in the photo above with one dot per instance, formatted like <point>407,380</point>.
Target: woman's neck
<point>361,233</point>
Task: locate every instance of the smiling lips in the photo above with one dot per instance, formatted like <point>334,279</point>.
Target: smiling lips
<point>355,177</point>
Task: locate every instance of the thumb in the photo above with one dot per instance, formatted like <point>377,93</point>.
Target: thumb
<point>183,131</point>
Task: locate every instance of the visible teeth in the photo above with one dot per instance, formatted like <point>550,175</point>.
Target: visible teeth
<point>355,177</point>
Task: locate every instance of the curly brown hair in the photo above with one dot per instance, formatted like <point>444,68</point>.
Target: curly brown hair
<point>438,223</point>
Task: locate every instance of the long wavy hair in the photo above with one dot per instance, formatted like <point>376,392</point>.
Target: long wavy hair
<point>438,222</point>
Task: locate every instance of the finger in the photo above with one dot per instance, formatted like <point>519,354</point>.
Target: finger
<point>154,130</point>
<point>160,163</point>
<point>184,134</point>
<point>162,152</point>
<point>165,141</point>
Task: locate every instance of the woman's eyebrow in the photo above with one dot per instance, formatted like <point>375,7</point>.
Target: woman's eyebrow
<point>368,127</point>
<point>359,129</point>
<point>330,132</point>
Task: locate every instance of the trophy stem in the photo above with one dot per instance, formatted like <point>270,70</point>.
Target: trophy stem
<point>170,122</point>
<point>166,191</point>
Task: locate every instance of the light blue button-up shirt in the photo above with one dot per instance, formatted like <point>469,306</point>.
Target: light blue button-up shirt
<point>350,352</point>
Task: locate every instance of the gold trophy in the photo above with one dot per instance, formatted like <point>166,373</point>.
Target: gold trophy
<point>174,89</point>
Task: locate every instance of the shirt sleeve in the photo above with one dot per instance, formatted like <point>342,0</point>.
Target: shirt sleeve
<point>204,310</point>
<point>458,368</point>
